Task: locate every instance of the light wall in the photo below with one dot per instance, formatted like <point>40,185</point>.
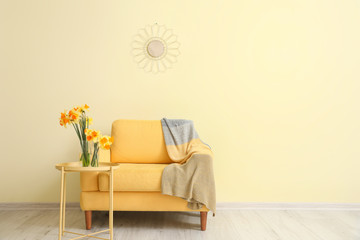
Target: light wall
<point>272,86</point>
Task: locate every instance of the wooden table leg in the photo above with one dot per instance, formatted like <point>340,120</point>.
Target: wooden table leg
<point>61,201</point>
<point>64,206</point>
<point>111,192</point>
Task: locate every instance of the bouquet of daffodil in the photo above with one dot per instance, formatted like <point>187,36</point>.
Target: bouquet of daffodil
<point>78,119</point>
<point>99,140</point>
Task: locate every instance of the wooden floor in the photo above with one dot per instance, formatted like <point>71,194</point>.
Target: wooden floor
<point>227,225</point>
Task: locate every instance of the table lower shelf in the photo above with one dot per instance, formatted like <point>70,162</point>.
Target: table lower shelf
<point>88,235</point>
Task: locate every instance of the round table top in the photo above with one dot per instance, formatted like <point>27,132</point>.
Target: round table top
<point>77,167</point>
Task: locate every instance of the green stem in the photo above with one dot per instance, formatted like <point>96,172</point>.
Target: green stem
<point>77,132</point>
<point>94,160</point>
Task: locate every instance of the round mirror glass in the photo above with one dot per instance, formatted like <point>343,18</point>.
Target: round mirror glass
<point>155,48</point>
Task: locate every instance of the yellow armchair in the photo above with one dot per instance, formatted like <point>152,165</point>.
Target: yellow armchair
<point>140,149</point>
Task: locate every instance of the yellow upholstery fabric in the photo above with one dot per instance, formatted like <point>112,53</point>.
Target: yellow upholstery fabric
<point>138,141</point>
<point>89,181</point>
<point>134,177</point>
<point>134,201</point>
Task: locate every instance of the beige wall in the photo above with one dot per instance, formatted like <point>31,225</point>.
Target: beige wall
<point>272,86</point>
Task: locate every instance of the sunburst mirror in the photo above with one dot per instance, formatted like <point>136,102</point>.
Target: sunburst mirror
<point>155,48</point>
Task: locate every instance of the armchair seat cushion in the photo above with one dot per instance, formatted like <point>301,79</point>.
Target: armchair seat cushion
<point>134,177</point>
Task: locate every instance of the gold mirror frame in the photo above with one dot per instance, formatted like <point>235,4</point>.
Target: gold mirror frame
<point>155,48</point>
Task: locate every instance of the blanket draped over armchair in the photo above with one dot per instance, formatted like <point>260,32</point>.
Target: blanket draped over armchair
<point>191,175</point>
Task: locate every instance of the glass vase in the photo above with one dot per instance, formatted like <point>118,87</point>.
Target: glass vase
<point>95,159</point>
<point>85,159</point>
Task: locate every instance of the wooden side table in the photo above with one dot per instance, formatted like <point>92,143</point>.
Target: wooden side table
<point>77,167</point>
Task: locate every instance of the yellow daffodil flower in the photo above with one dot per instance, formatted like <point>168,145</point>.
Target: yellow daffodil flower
<point>83,108</point>
<point>92,135</point>
<point>64,119</point>
<point>74,115</point>
<point>105,142</point>
<point>90,120</point>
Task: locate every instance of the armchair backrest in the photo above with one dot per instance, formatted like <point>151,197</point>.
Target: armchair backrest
<point>138,141</point>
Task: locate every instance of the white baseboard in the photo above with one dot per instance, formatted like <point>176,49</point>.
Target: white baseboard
<point>36,205</point>
<point>287,206</point>
<point>221,206</point>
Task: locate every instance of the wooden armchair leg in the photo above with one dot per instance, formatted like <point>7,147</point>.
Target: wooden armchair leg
<point>203,219</point>
<point>88,215</point>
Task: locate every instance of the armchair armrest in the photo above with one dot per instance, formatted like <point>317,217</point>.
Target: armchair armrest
<point>89,180</point>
